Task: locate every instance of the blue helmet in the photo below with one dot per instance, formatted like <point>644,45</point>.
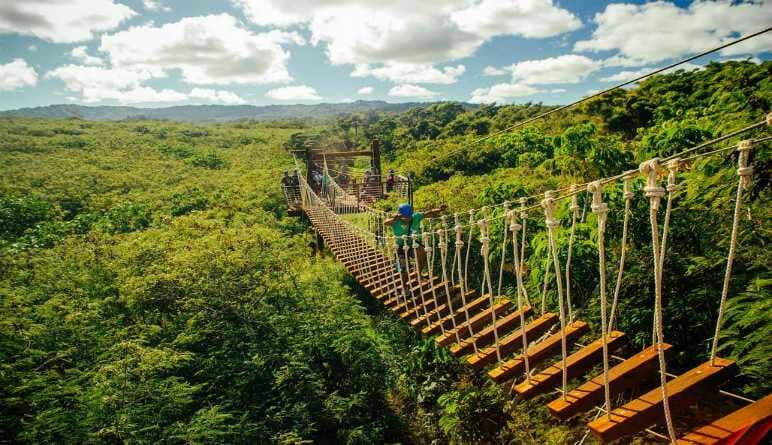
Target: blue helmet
<point>405,210</point>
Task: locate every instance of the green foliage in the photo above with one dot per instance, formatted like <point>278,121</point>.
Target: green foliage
<point>210,160</point>
<point>20,213</point>
<point>142,301</point>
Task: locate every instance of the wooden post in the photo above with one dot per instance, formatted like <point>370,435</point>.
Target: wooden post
<point>409,188</point>
<point>375,160</point>
<point>309,164</point>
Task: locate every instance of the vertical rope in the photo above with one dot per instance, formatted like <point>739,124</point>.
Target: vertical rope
<point>468,247</point>
<point>462,279</point>
<point>419,277</point>
<point>524,219</point>
<point>552,224</point>
<point>515,228</point>
<point>655,193</point>
<point>574,215</point>
<point>485,240</point>
<point>628,194</point>
<point>601,210</point>
<point>442,234</point>
<point>406,251</point>
<point>429,249</point>
<point>547,268</point>
<point>744,172</point>
<point>503,246</point>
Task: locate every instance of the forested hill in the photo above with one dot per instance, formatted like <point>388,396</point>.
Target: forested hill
<point>204,113</point>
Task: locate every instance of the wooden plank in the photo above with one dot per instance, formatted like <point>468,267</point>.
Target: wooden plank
<point>485,337</point>
<point>538,352</point>
<point>476,322</point>
<point>513,342</point>
<point>621,377</point>
<point>474,305</point>
<point>730,425</point>
<point>645,411</point>
<point>577,364</point>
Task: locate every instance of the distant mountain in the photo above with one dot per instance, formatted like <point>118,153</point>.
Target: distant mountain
<point>203,113</point>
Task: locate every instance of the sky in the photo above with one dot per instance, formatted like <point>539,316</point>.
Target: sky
<point>260,52</point>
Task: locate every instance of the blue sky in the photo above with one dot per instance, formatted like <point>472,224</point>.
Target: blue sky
<point>171,52</point>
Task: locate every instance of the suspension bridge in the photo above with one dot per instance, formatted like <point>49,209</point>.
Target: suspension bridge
<point>425,278</point>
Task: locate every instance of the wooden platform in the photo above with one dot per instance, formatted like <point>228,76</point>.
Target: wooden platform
<point>621,377</point>
<point>730,425</point>
<point>577,364</point>
<point>646,410</point>
<point>538,352</point>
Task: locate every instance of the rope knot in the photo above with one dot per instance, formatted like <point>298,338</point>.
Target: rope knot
<point>404,243</point>
<point>575,199</point>
<point>628,183</point>
<point>523,213</point>
<point>548,203</point>
<point>484,238</point>
<point>598,206</point>
<point>514,226</point>
<point>672,167</point>
<point>457,228</point>
<point>743,170</point>
<point>649,169</point>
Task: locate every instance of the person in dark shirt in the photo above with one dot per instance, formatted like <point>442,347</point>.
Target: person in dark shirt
<point>408,223</point>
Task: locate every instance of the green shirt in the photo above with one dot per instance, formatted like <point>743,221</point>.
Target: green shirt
<point>400,228</point>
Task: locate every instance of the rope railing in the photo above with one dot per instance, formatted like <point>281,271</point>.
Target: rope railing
<point>436,234</point>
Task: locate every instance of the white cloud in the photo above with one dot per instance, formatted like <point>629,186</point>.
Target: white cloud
<point>411,73</point>
<point>125,85</point>
<point>625,76</point>
<point>220,96</point>
<point>213,49</point>
<point>32,48</point>
<point>502,93</point>
<point>62,21</point>
<point>408,90</point>
<point>406,31</point>
<point>296,92</point>
<point>365,91</point>
<point>80,53</point>
<point>558,90</point>
<point>153,5</point>
<point>569,68</point>
<point>493,71</point>
<point>526,18</point>
<point>17,74</point>
<point>657,31</point>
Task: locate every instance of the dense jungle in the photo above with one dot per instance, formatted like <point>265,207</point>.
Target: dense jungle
<point>153,288</point>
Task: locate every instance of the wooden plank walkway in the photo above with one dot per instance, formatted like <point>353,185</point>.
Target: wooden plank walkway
<point>538,352</point>
<point>645,411</point>
<point>621,377</point>
<point>577,364</point>
<point>731,424</point>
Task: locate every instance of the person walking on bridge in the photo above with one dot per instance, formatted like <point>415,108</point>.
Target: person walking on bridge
<point>408,223</point>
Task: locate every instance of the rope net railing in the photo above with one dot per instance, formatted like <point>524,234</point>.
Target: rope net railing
<point>449,263</point>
